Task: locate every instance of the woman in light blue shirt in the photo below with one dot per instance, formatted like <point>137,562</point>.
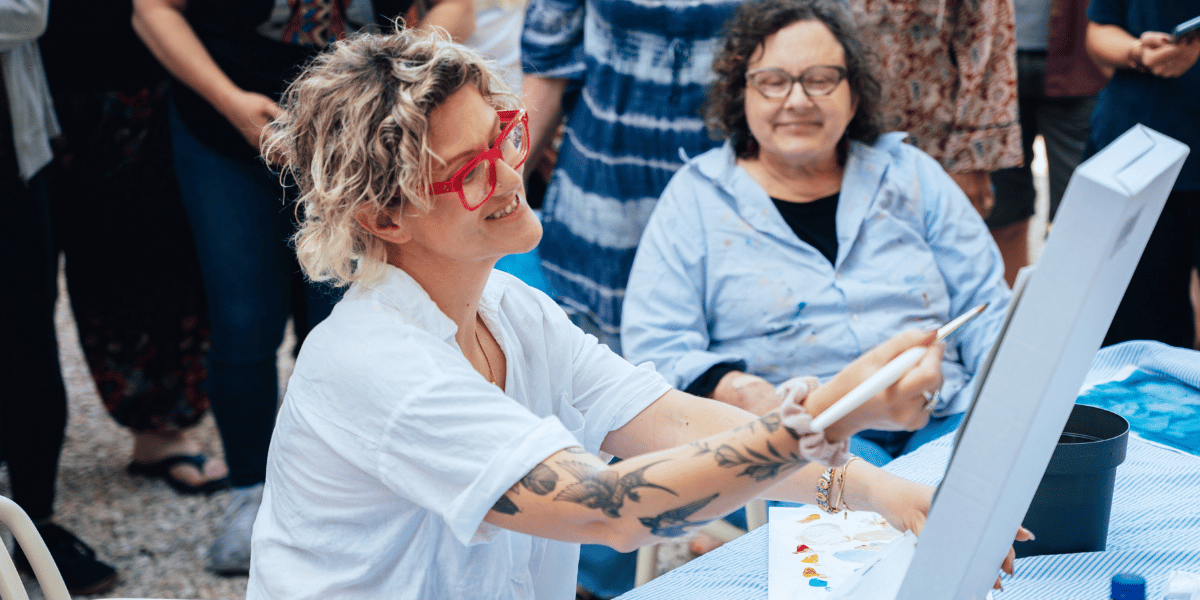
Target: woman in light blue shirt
<point>810,236</point>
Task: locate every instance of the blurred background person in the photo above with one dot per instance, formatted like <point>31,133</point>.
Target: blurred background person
<point>497,35</point>
<point>1057,83</point>
<point>233,59</point>
<point>810,235</point>
<point>630,78</point>
<point>131,267</point>
<point>950,81</point>
<point>1154,82</point>
<point>33,399</point>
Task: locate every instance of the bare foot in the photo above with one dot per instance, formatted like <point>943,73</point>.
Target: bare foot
<point>153,447</point>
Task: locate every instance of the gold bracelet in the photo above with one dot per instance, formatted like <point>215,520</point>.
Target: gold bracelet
<point>843,487</point>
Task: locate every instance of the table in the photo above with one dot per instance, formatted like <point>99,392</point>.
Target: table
<point>1154,528</point>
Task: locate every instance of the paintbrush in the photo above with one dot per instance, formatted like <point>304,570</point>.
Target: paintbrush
<point>889,374</point>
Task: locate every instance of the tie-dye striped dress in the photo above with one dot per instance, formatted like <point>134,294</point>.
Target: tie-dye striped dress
<point>639,70</point>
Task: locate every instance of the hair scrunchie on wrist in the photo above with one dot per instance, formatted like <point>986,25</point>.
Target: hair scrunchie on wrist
<point>813,445</point>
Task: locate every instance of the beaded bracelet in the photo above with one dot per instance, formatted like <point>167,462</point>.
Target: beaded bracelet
<point>823,492</point>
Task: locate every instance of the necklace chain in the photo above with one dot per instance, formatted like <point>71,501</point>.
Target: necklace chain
<point>488,361</point>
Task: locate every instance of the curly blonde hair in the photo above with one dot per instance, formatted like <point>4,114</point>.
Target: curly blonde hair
<point>356,137</point>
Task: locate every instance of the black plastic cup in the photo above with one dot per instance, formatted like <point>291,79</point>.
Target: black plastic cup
<point>1070,510</point>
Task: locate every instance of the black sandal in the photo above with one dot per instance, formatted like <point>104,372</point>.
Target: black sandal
<point>161,469</point>
<point>82,573</point>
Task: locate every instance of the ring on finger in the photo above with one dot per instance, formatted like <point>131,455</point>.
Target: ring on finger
<point>931,399</point>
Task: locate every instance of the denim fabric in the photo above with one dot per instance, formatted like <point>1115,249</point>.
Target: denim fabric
<point>880,447</point>
<point>720,277</point>
<point>241,225</point>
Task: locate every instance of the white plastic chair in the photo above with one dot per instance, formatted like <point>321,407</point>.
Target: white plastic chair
<point>28,538</point>
<point>647,557</point>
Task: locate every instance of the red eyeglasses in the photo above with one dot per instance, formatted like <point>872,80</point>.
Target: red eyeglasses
<point>512,146</point>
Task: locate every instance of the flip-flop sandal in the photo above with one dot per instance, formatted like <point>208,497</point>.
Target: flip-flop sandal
<point>161,469</point>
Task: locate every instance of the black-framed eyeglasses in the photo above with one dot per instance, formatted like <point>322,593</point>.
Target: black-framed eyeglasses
<point>773,82</point>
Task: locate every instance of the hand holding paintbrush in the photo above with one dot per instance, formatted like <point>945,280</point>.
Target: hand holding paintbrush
<point>895,369</point>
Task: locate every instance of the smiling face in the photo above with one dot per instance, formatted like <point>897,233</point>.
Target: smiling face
<point>459,129</point>
<point>798,129</point>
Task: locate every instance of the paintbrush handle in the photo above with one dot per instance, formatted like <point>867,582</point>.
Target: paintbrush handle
<point>889,374</point>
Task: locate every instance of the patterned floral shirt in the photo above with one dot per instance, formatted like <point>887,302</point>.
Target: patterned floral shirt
<point>949,77</point>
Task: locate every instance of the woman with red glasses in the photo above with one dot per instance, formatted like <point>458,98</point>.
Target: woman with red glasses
<point>447,430</point>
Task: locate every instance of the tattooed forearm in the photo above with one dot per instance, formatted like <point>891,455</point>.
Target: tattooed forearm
<point>672,523</point>
<point>541,480</point>
<point>575,450</point>
<point>772,421</point>
<point>505,506</point>
<point>758,465</point>
<point>603,489</point>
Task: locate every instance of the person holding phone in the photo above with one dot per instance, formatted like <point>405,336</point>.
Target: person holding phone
<point>232,59</point>
<point>1155,82</point>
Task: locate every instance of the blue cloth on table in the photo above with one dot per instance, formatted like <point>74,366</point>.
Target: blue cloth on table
<point>1153,385</point>
<point>1155,515</point>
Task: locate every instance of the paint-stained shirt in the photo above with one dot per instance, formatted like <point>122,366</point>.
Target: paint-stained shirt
<point>720,277</point>
<point>390,448</point>
<point>641,68</point>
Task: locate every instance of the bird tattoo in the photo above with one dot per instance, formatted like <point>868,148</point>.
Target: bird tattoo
<point>605,489</point>
<point>673,522</point>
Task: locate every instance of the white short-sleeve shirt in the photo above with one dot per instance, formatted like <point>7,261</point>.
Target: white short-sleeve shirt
<point>390,449</point>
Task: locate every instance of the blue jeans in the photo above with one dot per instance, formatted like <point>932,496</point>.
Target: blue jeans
<point>880,447</point>
<point>252,284</point>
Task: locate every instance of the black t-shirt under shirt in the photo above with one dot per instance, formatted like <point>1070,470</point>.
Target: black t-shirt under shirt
<point>813,222</point>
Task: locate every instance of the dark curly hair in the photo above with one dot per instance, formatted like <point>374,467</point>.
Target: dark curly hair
<point>725,113</point>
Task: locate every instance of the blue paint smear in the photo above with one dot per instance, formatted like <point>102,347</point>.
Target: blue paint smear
<point>799,309</point>
<point>857,556</point>
<point>1159,408</point>
<point>817,582</point>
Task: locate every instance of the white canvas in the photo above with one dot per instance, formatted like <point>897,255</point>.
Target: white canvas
<point>1022,404</point>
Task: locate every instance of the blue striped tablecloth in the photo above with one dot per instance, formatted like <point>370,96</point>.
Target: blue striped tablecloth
<point>1155,523</point>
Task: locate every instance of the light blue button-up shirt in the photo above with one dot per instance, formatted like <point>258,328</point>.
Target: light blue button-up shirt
<point>720,276</point>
